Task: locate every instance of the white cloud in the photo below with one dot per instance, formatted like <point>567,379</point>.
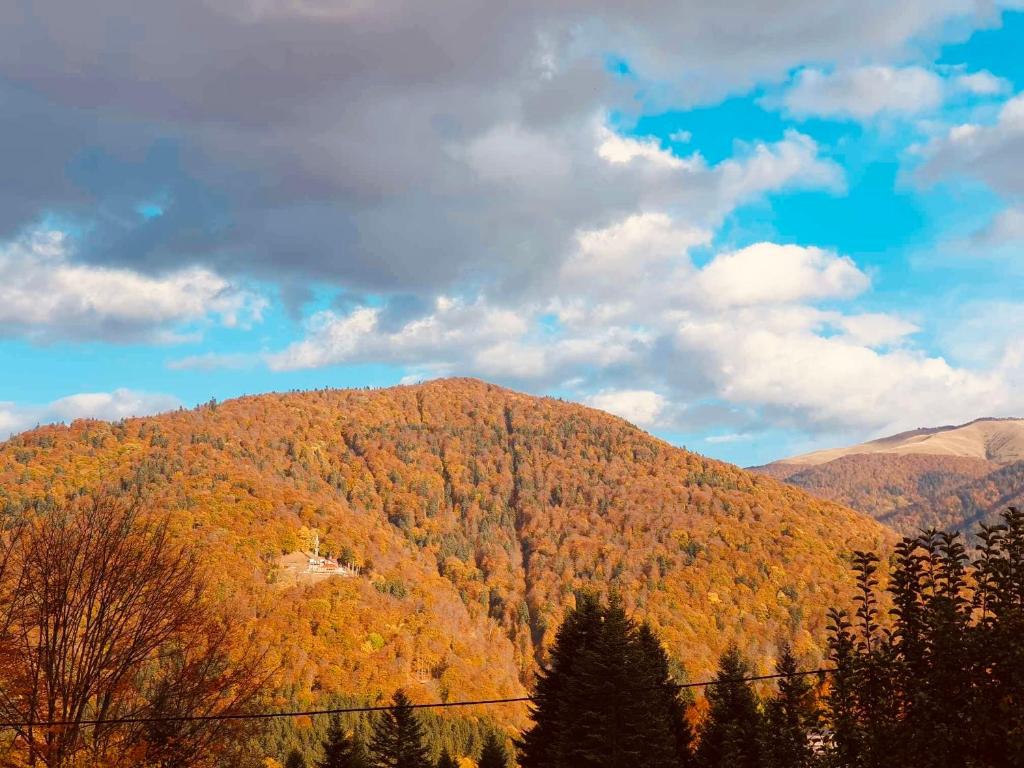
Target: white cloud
<point>43,293</point>
<point>876,329</point>
<point>982,83</point>
<point>622,150</point>
<point>640,406</point>
<point>864,92</point>
<point>766,273</point>
<point>641,331</point>
<point>640,325</point>
<point>792,162</point>
<point>452,327</point>
<point>638,262</point>
<point>110,406</point>
<point>632,248</point>
<point>832,381</point>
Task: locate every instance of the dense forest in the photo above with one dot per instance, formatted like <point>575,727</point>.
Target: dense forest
<point>884,485</point>
<point>114,652</point>
<point>935,681</point>
<point>467,518</point>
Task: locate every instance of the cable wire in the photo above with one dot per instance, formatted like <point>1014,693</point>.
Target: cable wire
<point>362,709</point>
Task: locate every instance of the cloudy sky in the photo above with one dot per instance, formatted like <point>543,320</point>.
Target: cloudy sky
<point>752,228</point>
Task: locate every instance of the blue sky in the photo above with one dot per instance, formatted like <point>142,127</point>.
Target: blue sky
<point>751,236</point>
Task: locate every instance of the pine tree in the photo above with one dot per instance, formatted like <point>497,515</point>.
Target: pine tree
<point>730,736</point>
<point>607,701</point>
<point>541,745</point>
<point>446,760</point>
<point>398,737</point>
<point>600,696</point>
<point>790,717</point>
<point>663,726</point>
<point>295,759</point>
<point>494,754</point>
<point>342,750</point>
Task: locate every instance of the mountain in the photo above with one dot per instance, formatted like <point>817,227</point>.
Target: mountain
<point>996,440</point>
<point>946,477</point>
<point>469,515</point>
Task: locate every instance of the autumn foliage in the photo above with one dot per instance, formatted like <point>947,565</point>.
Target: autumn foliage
<point>473,514</point>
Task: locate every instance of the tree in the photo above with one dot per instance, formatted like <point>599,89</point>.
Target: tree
<point>540,746</point>
<point>343,750</point>
<point>940,687</point>
<point>446,760</point>
<point>295,759</point>
<point>790,716</point>
<point>107,617</point>
<point>493,754</point>
<point>730,736</point>
<point>398,737</point>
<point>607,701</point>
<point>662,726</point>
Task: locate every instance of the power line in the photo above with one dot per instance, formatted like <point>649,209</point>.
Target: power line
<point>366,709</point>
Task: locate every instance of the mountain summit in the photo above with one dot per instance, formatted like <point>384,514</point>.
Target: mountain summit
<point>1000,441</point>
<point>465,516</point>
<point>952,476</point>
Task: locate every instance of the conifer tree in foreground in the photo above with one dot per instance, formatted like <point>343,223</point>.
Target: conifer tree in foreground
<point>790,716</point>
<point>606,700</point>
<point>731,734</point>
<point>494,754</point>
<point>295,760</point>
<point>398,737</point>
<point>342,750</point>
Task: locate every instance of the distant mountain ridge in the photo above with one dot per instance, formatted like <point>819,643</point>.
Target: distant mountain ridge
<point>472,514</point>
<point>999,440</point>
<point>953,476</point>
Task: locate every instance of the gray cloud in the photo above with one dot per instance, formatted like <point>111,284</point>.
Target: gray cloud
<point>361,143</point>
<point>990,153</point>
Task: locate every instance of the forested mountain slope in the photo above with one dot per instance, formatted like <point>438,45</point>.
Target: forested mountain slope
<point>473,513</point>
<point>946,477</point>
<point>965,505</point>
<point>881,483</point>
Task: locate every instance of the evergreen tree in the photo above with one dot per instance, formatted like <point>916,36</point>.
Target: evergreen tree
<point>541,745</point>
<point>342,750</point>
<point>494,754</point>
<point>730,736</point>
<point>607,701</point>
<point>295,759</point>
<point>790,716</point>
<point>663,726</point>
<point>398,737</point>
<point>446,760</point>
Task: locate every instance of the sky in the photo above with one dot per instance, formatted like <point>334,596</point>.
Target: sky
<point>753,229</point>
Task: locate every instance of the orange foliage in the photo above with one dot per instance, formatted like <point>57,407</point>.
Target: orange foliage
<point>911,491</point>
<point>474,513</point>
